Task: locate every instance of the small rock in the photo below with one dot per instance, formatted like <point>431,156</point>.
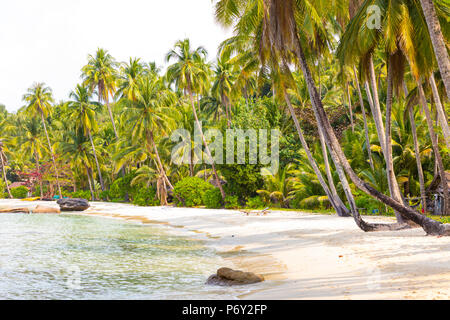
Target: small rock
<point>230,277</point>
<point>73,204</point>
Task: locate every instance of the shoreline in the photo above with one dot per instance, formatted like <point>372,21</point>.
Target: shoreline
<point>308,256</point>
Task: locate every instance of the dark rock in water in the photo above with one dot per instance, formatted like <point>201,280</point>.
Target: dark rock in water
<point>230,277</point>
<point>73,204</point>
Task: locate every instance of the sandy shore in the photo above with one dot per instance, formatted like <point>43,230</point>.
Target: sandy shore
<point>306,256</point>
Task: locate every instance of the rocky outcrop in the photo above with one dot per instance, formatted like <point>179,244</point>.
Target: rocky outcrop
<point>73,204</point>
<point>230,277</point>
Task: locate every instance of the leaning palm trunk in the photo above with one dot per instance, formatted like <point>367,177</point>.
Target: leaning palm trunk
<point>96,161</point>
<point>151,141</point>
<point>4,176</point>
<point>394,190</point>
<point>393,186</point>
<point>340,210</point>
<point>438,42</point>
<point>338,200</point>
<point>437,154</point>
<point>53,156</point>
<point>440,111</point>
<point>412,120</point>
<point>363,110</point>
<point>350,108</point>
<point>418,161</point>
<point>430,226</point>
<point>208,152</point>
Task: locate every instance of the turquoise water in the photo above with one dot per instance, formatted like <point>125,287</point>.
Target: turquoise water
<point>81,257</point>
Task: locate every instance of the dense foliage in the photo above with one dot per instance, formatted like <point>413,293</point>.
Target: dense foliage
<point>111,139</point>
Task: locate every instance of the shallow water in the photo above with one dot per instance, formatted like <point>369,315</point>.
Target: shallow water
<point>82,257</point>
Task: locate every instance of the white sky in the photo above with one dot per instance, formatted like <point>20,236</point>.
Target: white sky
<point>49,40</point>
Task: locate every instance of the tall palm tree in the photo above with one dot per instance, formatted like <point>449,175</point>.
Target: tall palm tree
<point>30,142</point>
<point>128,80</point>
<point>150,112</point>
<point>39,99</point>
<point>82,111</point>
<point>100,73</point>
<point>189,72</point>
<point>224,78</point>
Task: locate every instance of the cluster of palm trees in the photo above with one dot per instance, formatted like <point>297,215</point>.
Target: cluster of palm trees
<point>366,106</point>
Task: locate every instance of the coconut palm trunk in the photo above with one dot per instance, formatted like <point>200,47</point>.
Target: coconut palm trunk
<point>338,200</point>
<point>393,186</point>
<point>437,39</point>
<point>412,120</point>
<point>96,161</point>
<point>350,107</point>
<point>4,175</point>
<point>152,143</point>
<point>52,154</point>
<point>38,167</point>
<point>394,189</point>
<point>363,110</point>
<point>208,152</point>
<point>340,210</point>
<point>418,161</point>
<point>440,111</point>
<point>89,183</point>
<point>437,154</point>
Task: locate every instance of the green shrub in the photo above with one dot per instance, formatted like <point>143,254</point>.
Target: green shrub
<point>232,202</point>
<point>255,203</point>
<point>213,199</point>
<point>82,194</point>
<point>19,192</point>
<point>191,191</point>
<point>146,197</point>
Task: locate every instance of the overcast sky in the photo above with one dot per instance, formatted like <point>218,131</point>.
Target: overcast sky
<point>49,40</point>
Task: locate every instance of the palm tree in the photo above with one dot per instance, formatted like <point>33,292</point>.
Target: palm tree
<point>224,77</point>
<point>188,73</point>
<point>30,142</point>
<point>83,113</point>
<point>128,79</point>
<point>39,99</point>
<point>150,112</point>
<point>100,73</point>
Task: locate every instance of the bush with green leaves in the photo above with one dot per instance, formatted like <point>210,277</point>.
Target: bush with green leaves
<point>19,192</point>
<point>81,194</point>
<point>213,199</point>
<point>242,180</point>
<point>121,186</point>
<point>146,196</point>
<point>190,190</point>
<point>232,202</point>
<point>255,203</point>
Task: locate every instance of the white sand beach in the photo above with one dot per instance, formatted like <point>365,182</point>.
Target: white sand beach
<point>308,256</point>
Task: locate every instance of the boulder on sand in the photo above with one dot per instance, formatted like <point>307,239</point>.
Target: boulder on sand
<point>73,204</point>
<point>230,277</point>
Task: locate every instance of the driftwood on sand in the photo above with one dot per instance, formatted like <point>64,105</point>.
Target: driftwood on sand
<point>36,209</point>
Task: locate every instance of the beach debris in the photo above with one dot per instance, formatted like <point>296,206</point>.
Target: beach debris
<point>230,277</point>
<point>74,204</point>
